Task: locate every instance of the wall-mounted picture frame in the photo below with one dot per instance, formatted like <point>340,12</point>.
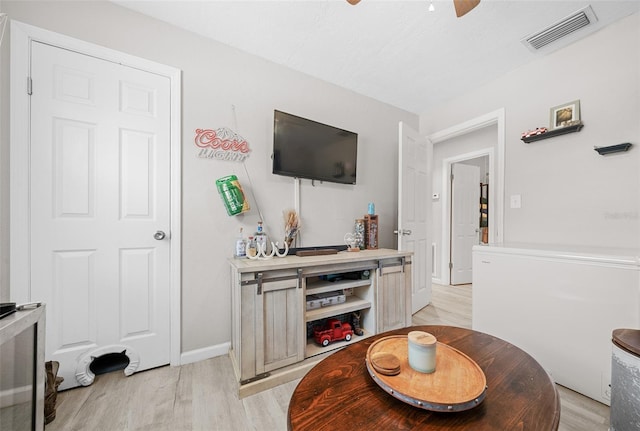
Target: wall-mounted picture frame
<point>567,114</point>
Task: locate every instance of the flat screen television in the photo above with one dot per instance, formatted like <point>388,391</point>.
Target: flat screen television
<point>307,149</point>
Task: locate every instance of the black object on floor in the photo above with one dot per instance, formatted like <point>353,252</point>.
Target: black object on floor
<point>109,362</point>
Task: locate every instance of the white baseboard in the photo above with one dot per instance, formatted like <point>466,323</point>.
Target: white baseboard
<point>204,353</point>
<point>15,396</point>
<point>436,281</point>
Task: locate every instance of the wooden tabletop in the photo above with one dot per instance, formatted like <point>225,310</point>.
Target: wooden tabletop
<point>338,393</point>
<point>628,339</point>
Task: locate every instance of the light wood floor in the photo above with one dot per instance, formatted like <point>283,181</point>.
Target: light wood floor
<point>201,396</point>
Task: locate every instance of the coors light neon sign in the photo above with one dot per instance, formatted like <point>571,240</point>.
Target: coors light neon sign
<point>222,144</point>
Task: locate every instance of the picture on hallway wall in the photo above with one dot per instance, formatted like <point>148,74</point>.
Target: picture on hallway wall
<point>565,115</point>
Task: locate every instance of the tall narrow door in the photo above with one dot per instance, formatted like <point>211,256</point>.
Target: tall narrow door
<point>414,207</point>
<point>99,208</point>
<point>465,220</point>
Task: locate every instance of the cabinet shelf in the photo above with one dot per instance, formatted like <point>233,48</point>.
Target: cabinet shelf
<point>323,286</point>
<point>352,303</point>
<point>313,349</point>
<point>552,133</point>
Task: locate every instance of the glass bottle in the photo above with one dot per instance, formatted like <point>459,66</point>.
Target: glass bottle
<point>261,238</point>
<point>252,250</point>
<point>241,246</point>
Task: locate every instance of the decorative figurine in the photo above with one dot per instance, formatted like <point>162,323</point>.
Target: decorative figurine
<point>351,241</point>
<point>355,323</point>
<point>334,330</point>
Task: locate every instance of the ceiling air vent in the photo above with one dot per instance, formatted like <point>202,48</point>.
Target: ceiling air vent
<point>560,29</point>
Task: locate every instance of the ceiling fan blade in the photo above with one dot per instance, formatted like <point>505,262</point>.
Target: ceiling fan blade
<point>464,6</point>
<point>353,2</point>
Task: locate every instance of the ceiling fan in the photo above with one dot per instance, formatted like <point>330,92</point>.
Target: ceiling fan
<point>462,6</point>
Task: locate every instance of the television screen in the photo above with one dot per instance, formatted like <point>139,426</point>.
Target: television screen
<point>307,149</point>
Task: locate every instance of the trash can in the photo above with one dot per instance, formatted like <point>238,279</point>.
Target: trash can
<point>625,380</point>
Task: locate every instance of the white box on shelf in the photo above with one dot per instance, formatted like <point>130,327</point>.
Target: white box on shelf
<point>332,298</point>
<point>313,302</point>
<point>325,299</point>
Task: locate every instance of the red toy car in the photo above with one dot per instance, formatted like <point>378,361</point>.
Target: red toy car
<point>334,330</point>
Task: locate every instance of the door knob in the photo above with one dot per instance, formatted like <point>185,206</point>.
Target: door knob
<point>159,235</point>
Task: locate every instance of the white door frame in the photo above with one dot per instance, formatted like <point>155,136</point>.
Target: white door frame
<point>21,37</point>
<point>496,175</point>
<point>446,198</point>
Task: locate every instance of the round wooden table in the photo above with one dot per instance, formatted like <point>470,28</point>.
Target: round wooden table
<point>339,394</point>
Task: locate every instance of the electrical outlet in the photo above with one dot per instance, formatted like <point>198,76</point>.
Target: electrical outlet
<point>516,201</point>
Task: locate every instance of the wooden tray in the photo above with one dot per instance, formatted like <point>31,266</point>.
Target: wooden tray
<point>457,384</point>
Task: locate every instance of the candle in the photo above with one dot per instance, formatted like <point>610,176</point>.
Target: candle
<point>422,351</point>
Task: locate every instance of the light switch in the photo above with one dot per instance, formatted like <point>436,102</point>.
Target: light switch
<point>516,201</point>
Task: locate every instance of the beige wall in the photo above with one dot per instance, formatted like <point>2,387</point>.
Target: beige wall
<point>570,194</point>
<point>215,78</point>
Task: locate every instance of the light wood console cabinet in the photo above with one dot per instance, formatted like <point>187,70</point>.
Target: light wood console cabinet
<point>272,329</point>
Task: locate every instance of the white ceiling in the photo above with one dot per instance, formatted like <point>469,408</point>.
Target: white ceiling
<point>393,51</point>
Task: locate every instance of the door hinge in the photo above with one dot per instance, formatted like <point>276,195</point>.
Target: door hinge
<point>29,86</point>
<point>450,265</point>
<point>451,176</point>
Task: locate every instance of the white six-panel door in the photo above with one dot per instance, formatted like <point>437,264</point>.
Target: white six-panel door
<point>414,207</point>
<point>465,220</point>
<point>100,190</point>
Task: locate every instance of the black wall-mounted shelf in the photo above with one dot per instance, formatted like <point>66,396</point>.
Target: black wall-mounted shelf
<point>554,132</point>
<point>613,148</point>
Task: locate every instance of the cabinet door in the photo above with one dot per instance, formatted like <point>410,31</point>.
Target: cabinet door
<point>279,325</point>
<point>394,296</point>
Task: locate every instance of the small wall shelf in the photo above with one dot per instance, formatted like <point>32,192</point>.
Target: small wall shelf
<point>552,133</point>
<point>613,148</point>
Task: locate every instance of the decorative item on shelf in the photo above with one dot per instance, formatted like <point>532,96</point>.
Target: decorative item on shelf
<point>285,249</point>
<point>355,323</point>
<point>572,126</point>
<point>565,115</point>
<point>241,246</point>
<point>351,241</point>
<point>534,132</point>
<point>262,240</point>
<point>613,148</point>
<point>252,249</point>
<point>359,233</point>
<point>334,330</point>
<point>259,251</point>
<point>371,209</point>
<point>563,119</point>
<point>371,231</point>
<point>291,226</point>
